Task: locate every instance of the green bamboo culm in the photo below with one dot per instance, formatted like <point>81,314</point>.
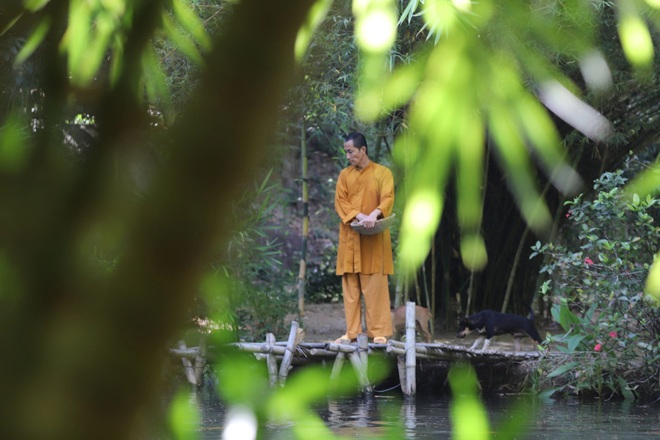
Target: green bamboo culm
<point>305,228</point>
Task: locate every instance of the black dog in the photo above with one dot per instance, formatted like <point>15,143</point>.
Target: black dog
<point>490,323</point>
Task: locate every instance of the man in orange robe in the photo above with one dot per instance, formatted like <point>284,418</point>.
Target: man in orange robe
<point>365,192</point>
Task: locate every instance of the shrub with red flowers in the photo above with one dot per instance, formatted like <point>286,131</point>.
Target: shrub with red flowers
<point>595,276</point>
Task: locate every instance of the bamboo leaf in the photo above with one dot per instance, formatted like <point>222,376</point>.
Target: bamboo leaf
<point>75,40</point>
<point>183,417</point>
<point>563,315</point>
<point>34,5</point>
<point>155,83</point>
<point>315,17</point>
<point>191,23</point>
<point>408,12</point>
<point>549,392</point>
<point>400,86</point>
<point>645,183</point>
<point>95,52</point>
<point>573,341</point>
<point>625,389</point>
<point>541,131</point>
<point>514,158</point>
<point>34,40</point>
<point>13,151</point>
<point>562,369</point>
<point>635,36</point>
<point>652,286</point>
<point>181,40</point>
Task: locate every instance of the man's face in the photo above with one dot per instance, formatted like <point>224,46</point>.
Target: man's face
<point>354,154</point>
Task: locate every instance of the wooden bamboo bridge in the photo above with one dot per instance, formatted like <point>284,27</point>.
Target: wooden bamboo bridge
<point>411,357</point>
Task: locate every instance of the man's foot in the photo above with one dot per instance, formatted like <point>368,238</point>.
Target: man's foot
<point>344,339</point>
<point>380,340</point>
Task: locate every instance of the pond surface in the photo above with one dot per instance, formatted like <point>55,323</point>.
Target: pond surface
<point>428,418</point>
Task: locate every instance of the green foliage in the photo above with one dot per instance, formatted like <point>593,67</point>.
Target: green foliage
<point>13,137</point>
<point>183,417</point>
<point>181,46</point>
<point>468,415</point>
<point>323,284</point>
<point>324,96</point>
<point>245,388</point>
<point>475,79</point>
<point>251,261</point>
<point>91,336</point>
<point>596,281</point>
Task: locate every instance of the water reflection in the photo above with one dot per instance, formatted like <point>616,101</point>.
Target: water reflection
<point>409,417</point>
<point>357,416</point>
<point>387,416</point>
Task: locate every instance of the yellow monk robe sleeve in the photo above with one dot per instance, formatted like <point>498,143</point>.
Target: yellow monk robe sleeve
<point>343,206</point>
<point>386,183</point>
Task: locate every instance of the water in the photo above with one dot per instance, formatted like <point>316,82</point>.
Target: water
<point>428,418</point>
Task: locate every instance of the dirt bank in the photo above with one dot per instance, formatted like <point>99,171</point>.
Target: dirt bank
<point>326,322</point>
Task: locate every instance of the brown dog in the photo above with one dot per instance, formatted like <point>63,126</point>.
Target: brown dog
<point>422,317</point>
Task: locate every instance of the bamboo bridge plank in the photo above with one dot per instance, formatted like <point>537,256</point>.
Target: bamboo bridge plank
<point>410,356</point>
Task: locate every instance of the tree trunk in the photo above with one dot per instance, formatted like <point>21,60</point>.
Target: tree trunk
<point>86,347</point>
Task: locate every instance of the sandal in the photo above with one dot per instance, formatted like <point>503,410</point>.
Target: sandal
<point>380,340</point>
<point>344,339</point>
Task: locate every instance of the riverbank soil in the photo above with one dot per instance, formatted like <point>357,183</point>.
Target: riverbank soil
<point>326,322</point>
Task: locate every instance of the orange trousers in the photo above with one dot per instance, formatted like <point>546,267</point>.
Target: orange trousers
<point>376,294</point>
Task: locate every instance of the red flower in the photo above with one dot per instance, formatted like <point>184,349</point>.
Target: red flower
<point>613,335</point>
<point>598,347</point>
<point>568,214</point>
<point>589,261</point>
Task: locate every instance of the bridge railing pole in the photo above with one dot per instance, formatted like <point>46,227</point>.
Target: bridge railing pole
<point>411,362</point>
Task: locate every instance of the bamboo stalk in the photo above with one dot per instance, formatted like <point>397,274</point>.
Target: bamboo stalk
<point>200,360</point>
<point>361,372</point>
<point>336,370</point>
<point>190,353</point>
<point>468,306</point>
<point>401,352</point>
<point>514,268</point>
<point>187,365</point>
<point>319,352</point>
<point>305,229</point>
<point>288,355</point>
<point>341,348</point>
<point>401,366</point>
<point>363,349</point>
<point>446,285</point>
<point>411,362</point>
<point>425,284</point>
<point>271,361</point>
<point>477,229</point>
<point>434,274</point>
<point>260,348</point>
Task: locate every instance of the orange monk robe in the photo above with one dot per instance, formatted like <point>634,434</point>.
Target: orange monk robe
<point>363,191</point>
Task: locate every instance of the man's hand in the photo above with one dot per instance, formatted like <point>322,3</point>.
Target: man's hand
<point>369,221</point>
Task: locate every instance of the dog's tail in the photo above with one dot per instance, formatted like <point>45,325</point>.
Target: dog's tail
<point>530,316</point>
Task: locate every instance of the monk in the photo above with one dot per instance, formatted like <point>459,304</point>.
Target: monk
<point>365,192</point>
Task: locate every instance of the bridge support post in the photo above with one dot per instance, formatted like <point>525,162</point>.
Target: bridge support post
<point>288,354</point>
<point>187,366</point>
<point>271,360</point>
<point>410,387</point>
<point>336,370</point>
<point>200,361</point>
<point>363,349</point>
<point>361,372</point>
<point>401,367</point>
